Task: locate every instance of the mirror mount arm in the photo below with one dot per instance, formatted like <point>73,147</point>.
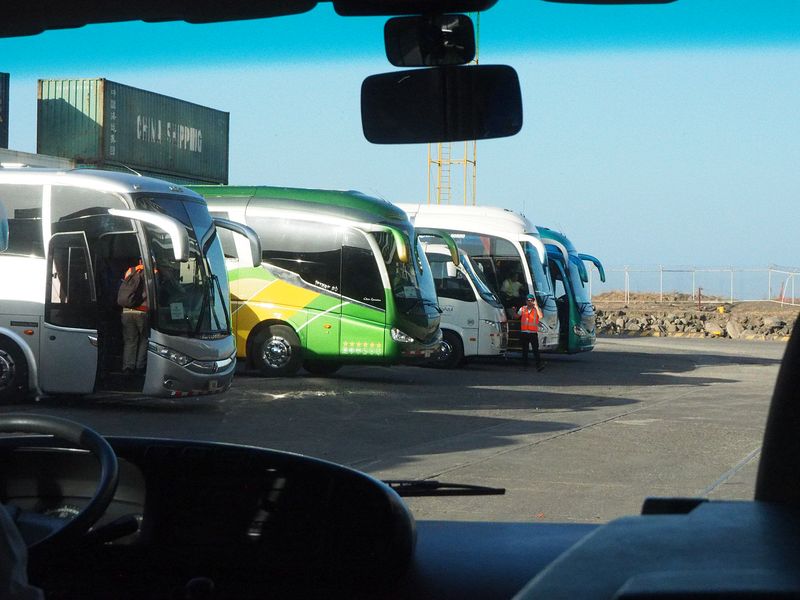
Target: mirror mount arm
<point>174,228</point>
<point>445,237</point>
<point>248,232</point>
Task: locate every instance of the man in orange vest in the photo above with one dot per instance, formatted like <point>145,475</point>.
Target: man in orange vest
<point>530,315</point>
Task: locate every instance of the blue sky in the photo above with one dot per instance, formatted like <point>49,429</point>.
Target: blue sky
<point>665,134</point>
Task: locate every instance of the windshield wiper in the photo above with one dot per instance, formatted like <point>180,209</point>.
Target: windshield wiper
<point>430,487</point>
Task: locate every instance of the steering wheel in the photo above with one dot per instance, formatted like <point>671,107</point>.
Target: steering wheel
<point>43,531</point>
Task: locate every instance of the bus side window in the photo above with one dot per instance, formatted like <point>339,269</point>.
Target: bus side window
<point>454,287</point>
<point>71,300</point>
<point>68,203</point>
<point>303,248</point>
<point>361,279</point>
<point>24,207</point>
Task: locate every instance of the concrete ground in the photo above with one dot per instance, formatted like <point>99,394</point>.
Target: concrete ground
<point>586,440</point>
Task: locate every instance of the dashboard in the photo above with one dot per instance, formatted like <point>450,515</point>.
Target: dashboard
<point>243,518</point>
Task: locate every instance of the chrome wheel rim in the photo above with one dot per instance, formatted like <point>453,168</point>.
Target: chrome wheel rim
<point>277,352</point>
<point>7,370</point>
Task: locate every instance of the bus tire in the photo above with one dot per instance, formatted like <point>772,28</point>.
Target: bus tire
<point>277,351</point>
<point>321,368</point>
<point>13,373</point>
<point>453,350</point>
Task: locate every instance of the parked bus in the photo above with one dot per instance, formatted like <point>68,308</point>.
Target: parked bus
<point>508,251</point>
<point>473,320</point>
<point>72,237</point>
<point>343,281</point>
<point>573,298</point>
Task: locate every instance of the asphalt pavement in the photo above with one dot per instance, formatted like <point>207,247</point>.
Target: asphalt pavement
<point>585,440</point>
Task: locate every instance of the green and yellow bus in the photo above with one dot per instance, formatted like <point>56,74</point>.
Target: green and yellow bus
<point>342,280</point>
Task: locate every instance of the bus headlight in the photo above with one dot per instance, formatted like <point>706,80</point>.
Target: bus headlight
<point>173,355</point>
<point>493,324</point>
<point>580,331</point>
<point>399,336</point>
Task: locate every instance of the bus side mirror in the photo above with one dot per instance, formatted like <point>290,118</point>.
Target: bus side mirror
<point>173,228</point>
<point>248,232</point>
<point>452,271</point>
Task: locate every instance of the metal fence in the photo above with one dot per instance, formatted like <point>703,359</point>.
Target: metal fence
<point>631,284</point>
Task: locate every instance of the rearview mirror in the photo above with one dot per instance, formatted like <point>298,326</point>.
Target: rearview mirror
<point>442,104</point>
<point>429,40</point>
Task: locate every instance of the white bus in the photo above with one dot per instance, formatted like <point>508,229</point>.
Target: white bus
<point>508,250</point>
<point>72,235</point>
<point>473,320</point>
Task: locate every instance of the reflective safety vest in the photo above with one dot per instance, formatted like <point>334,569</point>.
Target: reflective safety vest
<point>530,319</point>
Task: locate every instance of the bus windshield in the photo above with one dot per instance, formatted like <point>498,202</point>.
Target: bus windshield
<point>411,282</point>
<point>189,299</point>
<point>579,288</point>
<point>541,282</point>
<point>481,284</point>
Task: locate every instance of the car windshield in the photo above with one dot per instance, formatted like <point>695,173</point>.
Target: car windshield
<point>662,139</point>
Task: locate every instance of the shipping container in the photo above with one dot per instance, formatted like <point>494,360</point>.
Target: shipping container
<point>115,126</point>
<point>5,79</point>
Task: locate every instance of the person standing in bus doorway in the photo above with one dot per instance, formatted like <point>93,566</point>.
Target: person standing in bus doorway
<point>132,297</point>
<point>530,315</point>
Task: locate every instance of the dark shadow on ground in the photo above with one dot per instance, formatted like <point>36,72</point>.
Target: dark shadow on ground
<point>397,413</point>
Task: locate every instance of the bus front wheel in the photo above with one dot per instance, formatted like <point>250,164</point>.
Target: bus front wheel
<point>13,373</point>
<point>321,368</point>
<point>452,350</point>
<point>277,351</point>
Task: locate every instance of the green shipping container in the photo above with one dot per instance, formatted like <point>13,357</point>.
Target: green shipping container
<point>110,125</point>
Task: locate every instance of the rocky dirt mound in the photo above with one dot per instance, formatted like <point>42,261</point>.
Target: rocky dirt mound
<point>746,320</point>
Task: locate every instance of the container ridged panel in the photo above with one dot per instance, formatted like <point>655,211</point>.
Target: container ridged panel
<point>70,119</point>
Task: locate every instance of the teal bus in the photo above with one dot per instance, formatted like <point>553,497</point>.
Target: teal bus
<point>342,279</point>
<point>570,279</point>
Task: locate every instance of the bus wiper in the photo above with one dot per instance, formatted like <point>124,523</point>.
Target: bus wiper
<point>431,487</point>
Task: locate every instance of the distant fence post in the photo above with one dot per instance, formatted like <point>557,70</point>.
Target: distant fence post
<point>627,285</point>
<point>769,284</point>
<point>660,283</point>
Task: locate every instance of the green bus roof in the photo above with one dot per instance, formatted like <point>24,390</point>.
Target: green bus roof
<point>350,204</point>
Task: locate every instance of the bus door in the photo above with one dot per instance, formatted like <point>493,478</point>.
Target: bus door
<point>69,337</point>
<point>363,298</point>
<point>563,299</point>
